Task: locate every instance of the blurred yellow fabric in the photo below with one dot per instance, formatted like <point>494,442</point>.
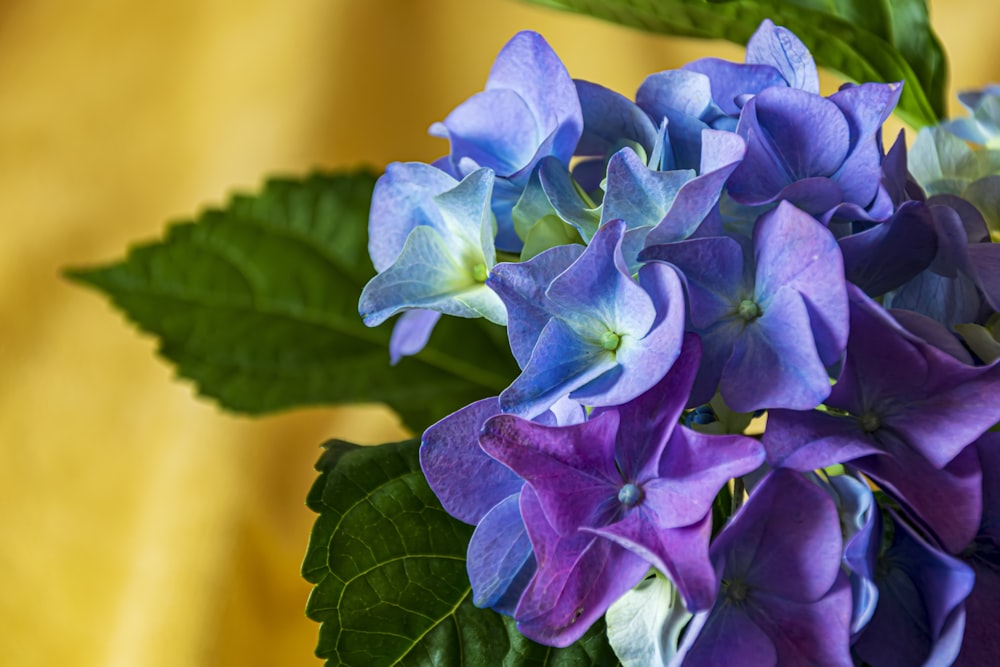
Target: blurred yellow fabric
<point>139,525</point>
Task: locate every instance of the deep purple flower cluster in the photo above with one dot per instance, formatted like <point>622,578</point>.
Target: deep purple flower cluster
<point>731,243</point>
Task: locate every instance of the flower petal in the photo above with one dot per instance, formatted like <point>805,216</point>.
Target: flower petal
<point>639,195</point>
<point>529,66</point>
<point>578,578</point>
<point>793,250</point>
<point>522,287</point>
<point>680,553</point>
<point>785,540</point>
<point>467,481</point>
<point>402,200</point>
<point>560,363</point>
<point>500,560</point>
<point>780,48</point>
<point>411,333</point>
<point>428,275</point>
<point>609,118</point>
<point>571,469</point>
<point>774,362</point>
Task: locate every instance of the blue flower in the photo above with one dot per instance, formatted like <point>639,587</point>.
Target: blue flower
<point>581,326</point>
<point>710,93</point>
<point>772,322</point>
<point>432,245</point>
<point>528,110</point>
<point>610,121</point>
<point>983,127</point>
<point>858,513</point>
<point>962,282</point>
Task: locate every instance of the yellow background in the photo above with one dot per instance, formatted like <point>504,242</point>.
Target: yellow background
<point>138,524</point>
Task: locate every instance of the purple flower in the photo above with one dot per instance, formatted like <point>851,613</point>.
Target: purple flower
<point>710,93</point>
<point>821,154</point>
<point>920,618</point>
<point>478,490</point>
<point>607,499</point>
<point>784,599</point>
<point>528,110</point>
<point>882,255</point>
<point>902,412</point>
<point>886,255</point>
<point>586,329</point>
<point>771,324</point>
<point>962,283</point>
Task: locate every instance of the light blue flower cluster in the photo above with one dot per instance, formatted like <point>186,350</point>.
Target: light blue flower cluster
<point>729,243</point>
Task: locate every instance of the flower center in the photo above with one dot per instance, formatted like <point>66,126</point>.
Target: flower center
<point>629,495</point>
<point>749,310</point>
<point>869,422</point>
<point>480,273</point>
<point>610,341</point>
<point>984,550</point>
<point>736,591</point>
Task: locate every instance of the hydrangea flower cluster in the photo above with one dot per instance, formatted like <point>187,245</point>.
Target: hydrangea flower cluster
<point>729,245</point>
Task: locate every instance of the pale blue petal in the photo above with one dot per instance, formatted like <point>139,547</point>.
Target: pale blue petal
<point>522,287</point>
<point>411,333</point>
<point>560,363</point>
<point>529,66</point>
<point>733,82</point>
<point>468,222</point>
<point>638,195</point>
<point>781,49</point>
<point>681,91</point>
<point>597,294</point>
<point>403,199</point>
<point>566,198</point>
<point>500,561</point>
<point>428,275</point>
<point>495,129</point>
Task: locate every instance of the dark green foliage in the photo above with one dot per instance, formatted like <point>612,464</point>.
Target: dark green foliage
<point>865,40</point>
<point>258,304</point>
<point>389,568</point>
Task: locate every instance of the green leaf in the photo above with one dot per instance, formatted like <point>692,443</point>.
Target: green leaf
<point>864,40</point>
<point>388,564</point>
<point>722,509</point>
<point>258,304</point>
